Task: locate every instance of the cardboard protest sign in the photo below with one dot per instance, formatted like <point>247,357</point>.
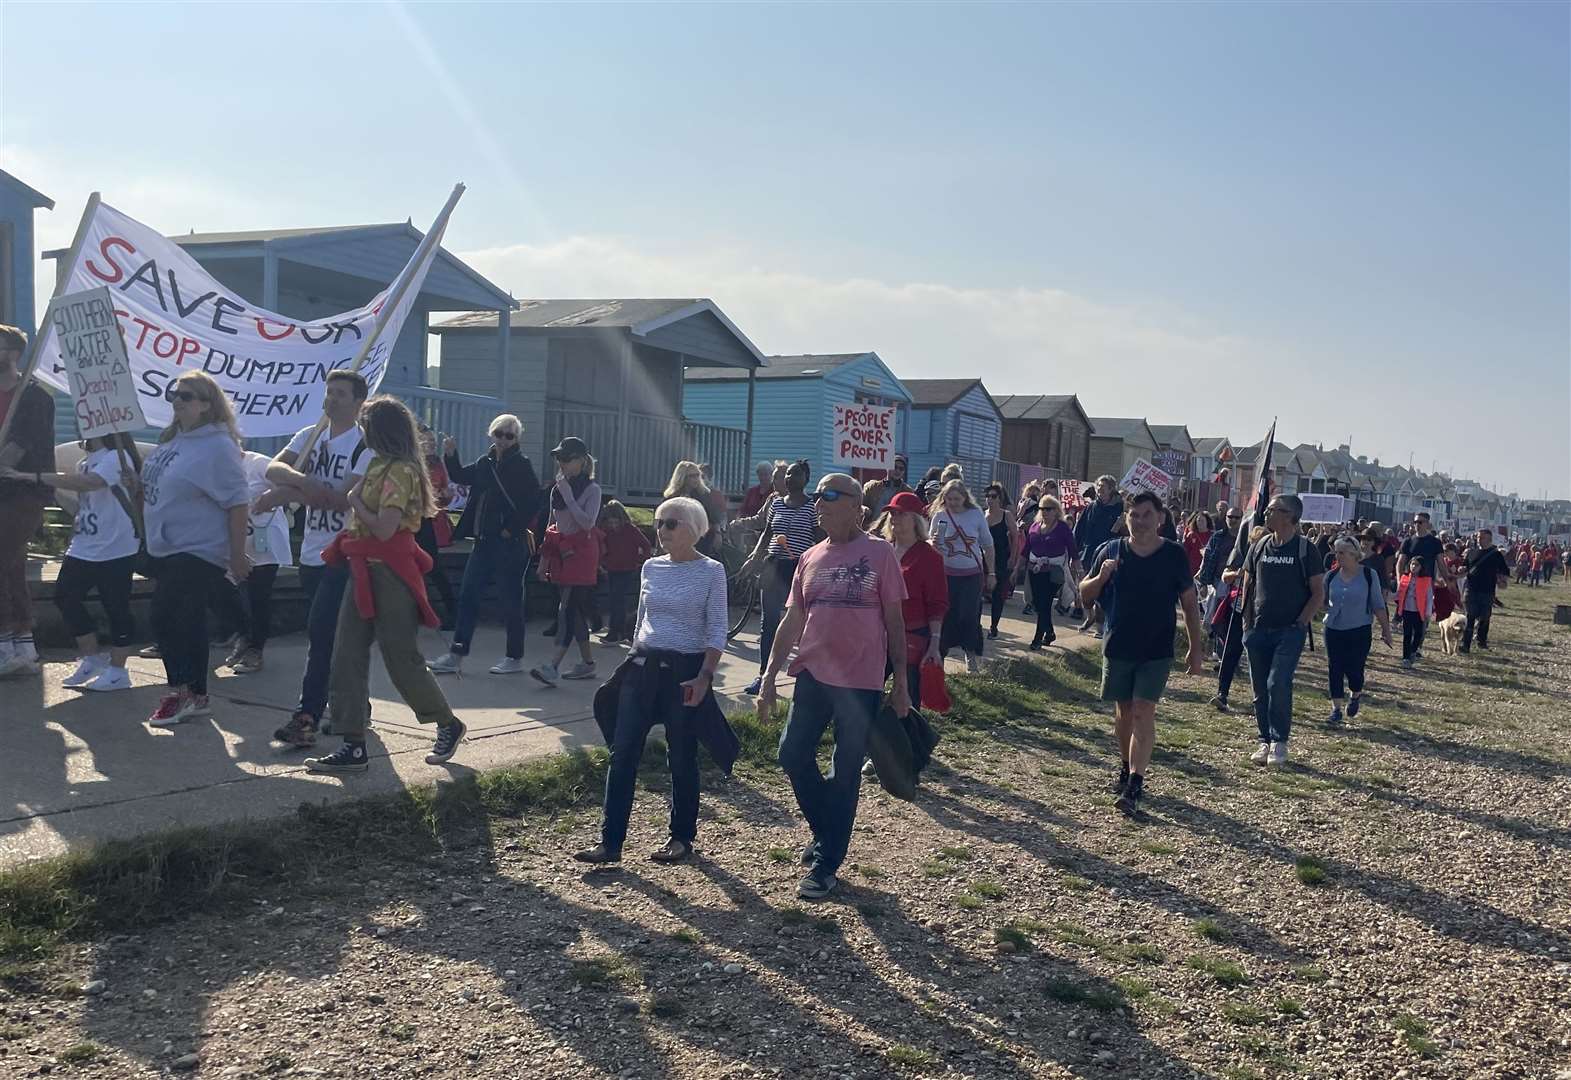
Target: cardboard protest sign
<point>1173,462</point>
<point>1069,496</point>
<point>1324,509</point>
<point>1144,476</point>
<point>176,317</point>
<point>91,350</point>
<point>864,436</point>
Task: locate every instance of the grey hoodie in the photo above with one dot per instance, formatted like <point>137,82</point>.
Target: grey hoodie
<point>189,484</point>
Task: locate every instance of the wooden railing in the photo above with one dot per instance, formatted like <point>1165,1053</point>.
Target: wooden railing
<point>635,464</point>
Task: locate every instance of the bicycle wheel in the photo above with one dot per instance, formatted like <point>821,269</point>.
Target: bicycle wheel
<point>743,595</point>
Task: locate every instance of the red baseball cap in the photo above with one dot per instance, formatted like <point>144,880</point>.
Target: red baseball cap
<point>907,502</point>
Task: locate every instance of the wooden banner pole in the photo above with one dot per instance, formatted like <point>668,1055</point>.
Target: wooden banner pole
<point>30,359</point>
<point>432,237</point>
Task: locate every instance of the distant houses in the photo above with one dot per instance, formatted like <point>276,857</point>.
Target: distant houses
<point>1117,442</point>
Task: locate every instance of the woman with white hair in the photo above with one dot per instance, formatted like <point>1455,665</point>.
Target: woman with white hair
<point>503,491</point>
<point>681,632</point>
<point>1354,599</point>
<point>961,535</point>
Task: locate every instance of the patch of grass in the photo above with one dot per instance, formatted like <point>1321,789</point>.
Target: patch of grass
<point>781,855</point>
<point>1310,870</point>
<point>402,1032</point>
<point>954,853</point>
<point>1160,1005</point>
<point>969,902</point>
<point>1211,930</point>
<point>1286,1006</point>
<point>1240,1013</point>
<point>1241,1072</point>
<point>687,935</point>
<point>80,1054</point>
<point>1069,992</point>
<point>1075,934</point>
<point>1076,883</point>
<point>599,972</point>
<point>911,1057</point>
<point>1415,1033</point>
<point>937,868</point>
<point>665,1005</point>
<point>1160,847</point>
<point>1138,952</point>
<point>1310,973</point>
<point>12,1032</point>
<point>1132,988</point>
<point>872,873</point>
<point>987,889</point>
<point>1013,936</point>
<point>1225,972</point>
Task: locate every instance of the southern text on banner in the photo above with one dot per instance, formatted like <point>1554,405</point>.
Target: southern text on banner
<point>89,345</point>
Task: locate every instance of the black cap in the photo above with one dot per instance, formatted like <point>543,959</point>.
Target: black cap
<point>569,448</point>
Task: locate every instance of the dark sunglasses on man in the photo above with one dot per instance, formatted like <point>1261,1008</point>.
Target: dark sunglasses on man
<point>830,495</point>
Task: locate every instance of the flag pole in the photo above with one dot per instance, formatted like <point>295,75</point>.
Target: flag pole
<point>34,347</point>
<point>432,237</point>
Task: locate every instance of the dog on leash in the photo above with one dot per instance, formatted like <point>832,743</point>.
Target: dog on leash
<point>1451,628</point>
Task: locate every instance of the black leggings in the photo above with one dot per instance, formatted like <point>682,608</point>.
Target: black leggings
<point>248,608</point>
<point>1000,592</point>
<point>180,617</point>
<point>1347,651</point>
<point>112,579</point>
<point>1232,652</point>
<point>1044,593</point>
<point>1413,626</point>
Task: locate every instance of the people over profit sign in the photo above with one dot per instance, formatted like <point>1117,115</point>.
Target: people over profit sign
<point>864,436</point>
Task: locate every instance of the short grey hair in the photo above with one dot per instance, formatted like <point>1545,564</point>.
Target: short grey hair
<point>689,512</point>
<point>506,422</point>
<point>1347,543</point>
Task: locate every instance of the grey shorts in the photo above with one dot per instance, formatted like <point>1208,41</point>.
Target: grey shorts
<point>1125,680</point>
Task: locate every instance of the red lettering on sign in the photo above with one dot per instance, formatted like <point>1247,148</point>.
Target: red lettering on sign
<point>109,242</point>
<point>261,328</point>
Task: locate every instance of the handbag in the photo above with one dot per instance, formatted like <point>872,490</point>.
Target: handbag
<point>935,694</point>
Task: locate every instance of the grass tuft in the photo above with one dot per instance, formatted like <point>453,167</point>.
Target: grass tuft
<point>1211,930</point>
<point>1310,870</point>
<point>80,1054</point>
<point>987,889</point>
<point>1013,936</point>
<point>1225,972</point>
<point>1069,992</point>
<point>911,1057</point>
<point>1240,1013</point>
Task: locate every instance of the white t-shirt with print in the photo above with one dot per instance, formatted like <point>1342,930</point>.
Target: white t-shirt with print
<point>331,463</point>
<point>103,529</point>
<point>267,533</point>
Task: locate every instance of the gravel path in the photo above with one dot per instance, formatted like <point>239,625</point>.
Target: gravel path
<point>1393,904</point>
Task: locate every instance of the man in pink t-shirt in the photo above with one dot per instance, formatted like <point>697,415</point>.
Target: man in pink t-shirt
<point>844,618</point>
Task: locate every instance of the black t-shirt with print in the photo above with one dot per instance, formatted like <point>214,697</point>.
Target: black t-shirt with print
<point>1427,548</point>
<point>1279,577</point>
<point>1139,600</point>
<point>1484,568</point>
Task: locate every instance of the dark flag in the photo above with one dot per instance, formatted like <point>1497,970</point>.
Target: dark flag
<point>1262,497</point>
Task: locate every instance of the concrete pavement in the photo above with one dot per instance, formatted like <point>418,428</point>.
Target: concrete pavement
<point>85,767</point>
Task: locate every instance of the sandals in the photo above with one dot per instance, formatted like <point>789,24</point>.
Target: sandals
<point>675,851</point>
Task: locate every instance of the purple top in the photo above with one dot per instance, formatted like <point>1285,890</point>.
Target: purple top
<point>1050,543</point>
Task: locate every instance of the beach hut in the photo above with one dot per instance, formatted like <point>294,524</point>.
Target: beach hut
<point>1048,430</point>
<point>954,420</point>
<point>1117,442</point>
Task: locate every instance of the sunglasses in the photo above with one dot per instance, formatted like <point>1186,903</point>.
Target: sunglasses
<point>830,495</point>
<point>668,524</point>
<point>172,394</point>
<point>508,435</point>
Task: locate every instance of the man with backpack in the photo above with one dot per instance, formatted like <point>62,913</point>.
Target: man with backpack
<point>1140,581</point>
<point>321,480</point>
<point>1283,589</point>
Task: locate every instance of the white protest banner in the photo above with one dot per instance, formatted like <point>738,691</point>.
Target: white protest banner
<point>89,343</point>
<point>864,436</point>
<point>1324,509</point>
<point>1069,496</point>
<point>177,317</point>
<point>1144,476</point>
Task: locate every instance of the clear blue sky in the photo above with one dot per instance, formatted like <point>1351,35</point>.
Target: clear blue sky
<point>1198,214</point>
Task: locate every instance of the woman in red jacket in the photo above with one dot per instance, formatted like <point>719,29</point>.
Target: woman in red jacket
<point>1196,536</point>
<point>927,587</point>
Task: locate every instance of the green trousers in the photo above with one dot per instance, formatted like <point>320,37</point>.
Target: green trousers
<point>394,628</point>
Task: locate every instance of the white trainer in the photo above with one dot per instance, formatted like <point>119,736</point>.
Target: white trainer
<point>20,664</point>
<point>508,665</point>
<point>446,664</point>
<point>1279,753</point>
<point>545,673</point>
<point>1262,753</point>
<point>86,668</point>
<point>109,678</point>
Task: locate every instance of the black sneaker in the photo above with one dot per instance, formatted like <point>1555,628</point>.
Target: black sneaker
<point>816,885</point>
<point>1128,803</point>
<point>348,758</point>
<point>1335,719</point>
<point>1352,707</point>
<point>810,853</point>
<point>448,736</point>
<point>1219,703</point>
<point>1123,779</point>
<point>549,631</point>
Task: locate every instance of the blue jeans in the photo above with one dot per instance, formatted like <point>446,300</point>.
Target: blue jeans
<point>1273,658</point>
<point>502,561</point>
<point>325,586</point>
<point>828,802</point>
<point>635,715</point>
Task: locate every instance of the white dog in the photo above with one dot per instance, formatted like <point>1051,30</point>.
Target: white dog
<point>1451,628</point>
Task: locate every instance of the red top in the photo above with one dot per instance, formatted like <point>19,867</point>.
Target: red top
<point>1195,548</point>
<point>927,587</point>
<point>624,548</point>
<point>399,552</point>
<point>753,500</point>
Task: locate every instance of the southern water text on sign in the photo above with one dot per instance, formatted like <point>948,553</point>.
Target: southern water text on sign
<point>92,354</point>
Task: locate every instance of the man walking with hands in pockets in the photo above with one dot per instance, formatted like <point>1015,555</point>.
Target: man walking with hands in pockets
<point>844,618</point>
<point>1140,581</point>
